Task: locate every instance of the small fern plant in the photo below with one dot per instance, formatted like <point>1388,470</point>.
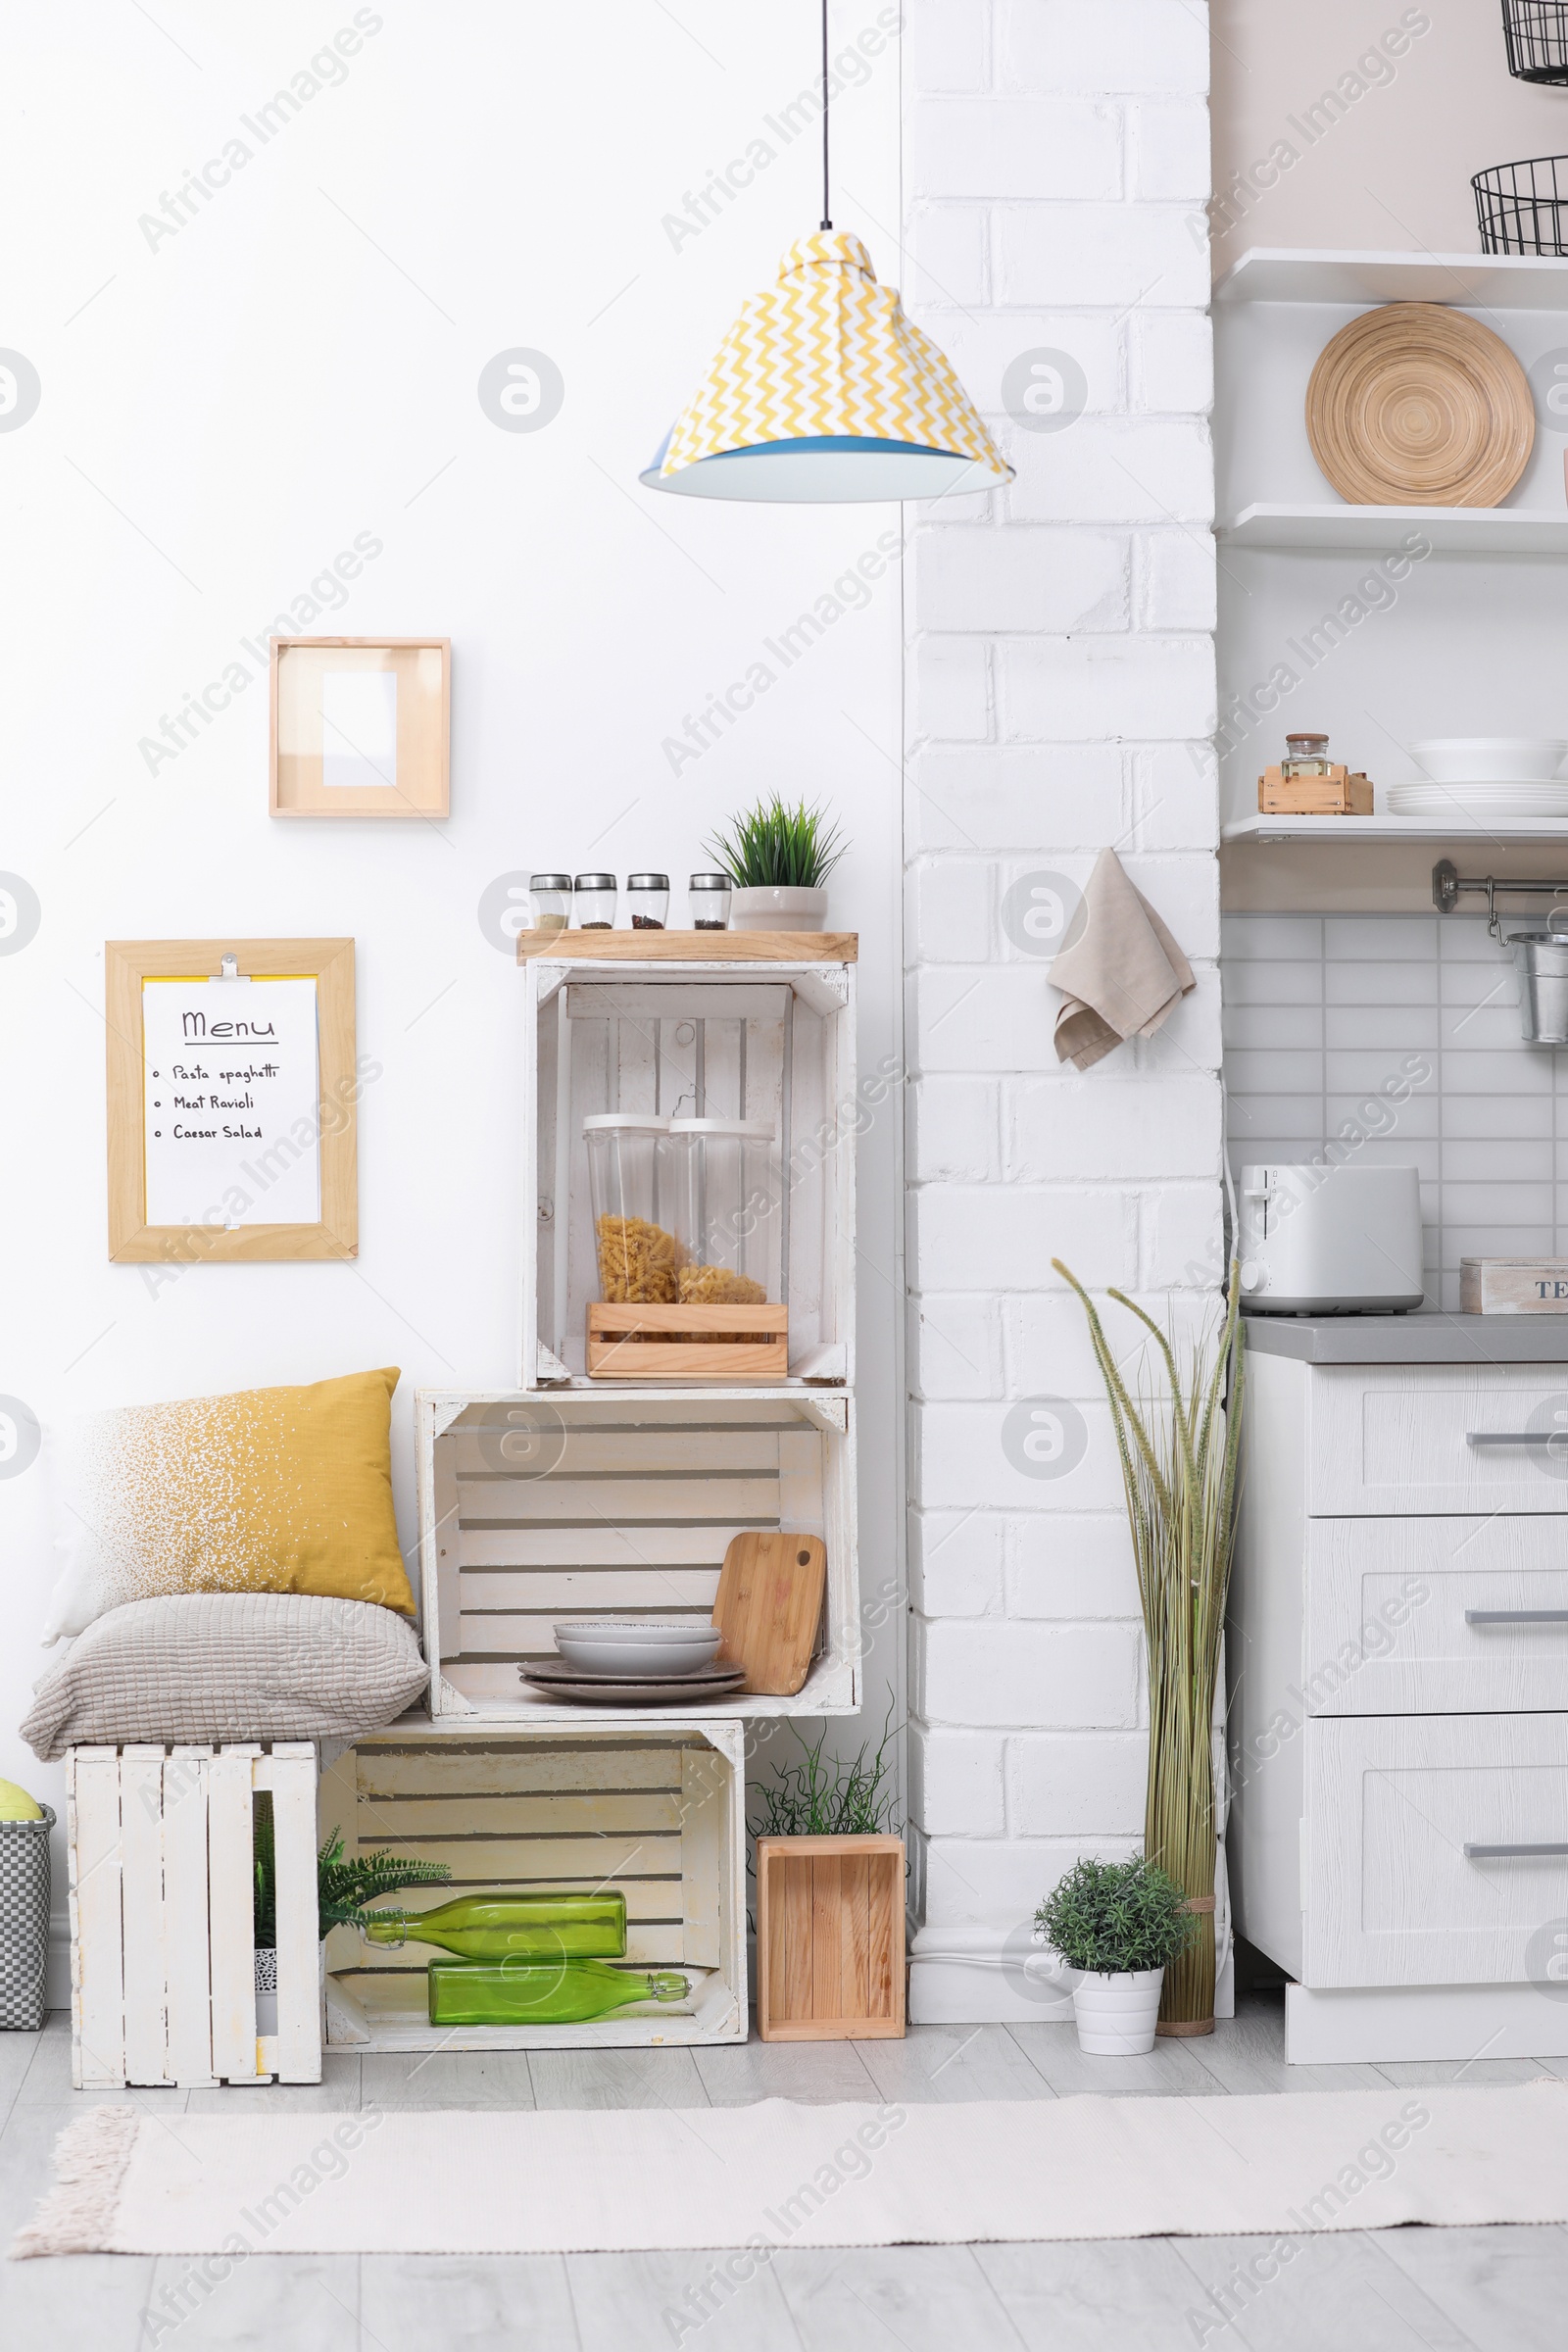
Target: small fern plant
<point>1116,1917</point>
<point>343,1889</point>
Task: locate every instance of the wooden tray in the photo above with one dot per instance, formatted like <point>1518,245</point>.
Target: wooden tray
<point>1415,405</point>
<point>725,1352</point>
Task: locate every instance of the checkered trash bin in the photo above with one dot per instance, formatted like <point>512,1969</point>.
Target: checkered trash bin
<point>23,1922</point>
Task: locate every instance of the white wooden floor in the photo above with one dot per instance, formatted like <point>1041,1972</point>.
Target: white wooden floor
<point>1399,2290</point>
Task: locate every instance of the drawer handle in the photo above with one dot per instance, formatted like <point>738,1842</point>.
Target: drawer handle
<point>1516,1437</point>
<point>1516,1616</point>
<point>1502,1853</point>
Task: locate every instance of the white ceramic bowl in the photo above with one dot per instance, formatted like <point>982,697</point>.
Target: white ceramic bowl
<point>1491,759</point>
<point>643,1652</point>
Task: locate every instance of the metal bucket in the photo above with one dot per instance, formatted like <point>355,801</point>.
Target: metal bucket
<point>1541,959</point>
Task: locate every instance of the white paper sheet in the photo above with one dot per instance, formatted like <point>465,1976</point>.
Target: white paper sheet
<point>231,1095</point>
<point>359,729</point>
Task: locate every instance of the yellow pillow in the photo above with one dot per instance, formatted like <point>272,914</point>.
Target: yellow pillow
<point>268,1491</point>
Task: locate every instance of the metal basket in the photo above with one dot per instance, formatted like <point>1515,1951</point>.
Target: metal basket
<point>1537,34</point>
<point>1521,207</point>
<point>23,1922</point>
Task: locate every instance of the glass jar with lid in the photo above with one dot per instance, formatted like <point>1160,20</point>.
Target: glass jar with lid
<point>1304,755</point>
<point>648,900</point>
<point>707,896</point>
<point>550,895</point>
<point>725,1211</point>
<point>594,901</point>
<point>631,1190</point>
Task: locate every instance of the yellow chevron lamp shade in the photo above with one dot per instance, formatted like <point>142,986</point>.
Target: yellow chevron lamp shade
<point>821,392</point>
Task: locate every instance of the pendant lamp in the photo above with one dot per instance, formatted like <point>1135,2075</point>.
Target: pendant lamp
<point>823,392</point>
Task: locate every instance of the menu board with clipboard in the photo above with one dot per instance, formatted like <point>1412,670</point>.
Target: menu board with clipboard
<point>233,1087</point>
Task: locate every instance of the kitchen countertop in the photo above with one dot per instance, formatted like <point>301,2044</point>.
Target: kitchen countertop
<point>1425,1337</point>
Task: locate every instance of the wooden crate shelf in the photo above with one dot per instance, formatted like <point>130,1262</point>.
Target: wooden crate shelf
<point>722,1031</point>
<point>161,1852</point>
<point>705,1342</point>
<point>620,1503</point>
<point>830,1938</point>
<point>657,1813</point>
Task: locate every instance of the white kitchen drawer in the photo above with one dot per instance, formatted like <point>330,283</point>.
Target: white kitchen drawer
<point>1392,1894</point>
<point>1435,1616</point>
<point>1401,1440</point>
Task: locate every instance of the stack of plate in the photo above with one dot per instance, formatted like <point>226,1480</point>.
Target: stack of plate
<point>635,1661</point>
<point>1473,778</point>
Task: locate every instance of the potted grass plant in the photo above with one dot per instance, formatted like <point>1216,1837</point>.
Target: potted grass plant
<point>1119,1926</point>
<point>1178,1444</point>
<point>778,860</point>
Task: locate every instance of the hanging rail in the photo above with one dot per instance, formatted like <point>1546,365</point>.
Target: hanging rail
<point>1448,883</point>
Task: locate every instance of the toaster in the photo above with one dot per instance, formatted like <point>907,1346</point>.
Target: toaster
<point>1342,1240</point>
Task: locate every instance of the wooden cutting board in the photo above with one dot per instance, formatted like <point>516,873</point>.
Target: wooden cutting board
<point>769,1602</point>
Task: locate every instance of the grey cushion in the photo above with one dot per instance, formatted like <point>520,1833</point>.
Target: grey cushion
<point>198,1666</point>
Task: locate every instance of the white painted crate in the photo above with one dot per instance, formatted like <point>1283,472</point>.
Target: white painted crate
<point>620,1503</point>
<point>161,1846</point>
<point>656,1812</point>
<point>763,1041</point>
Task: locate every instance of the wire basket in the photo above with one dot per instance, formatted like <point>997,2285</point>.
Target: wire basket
<point>1521,207</point>
<point>1537,34</point>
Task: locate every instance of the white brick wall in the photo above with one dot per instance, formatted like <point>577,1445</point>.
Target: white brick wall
<point>1060,662</point>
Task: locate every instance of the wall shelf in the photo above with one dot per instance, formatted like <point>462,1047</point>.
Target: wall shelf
<point>1504,829</point>
<point>1380,530</point>
<point>1473,281</point>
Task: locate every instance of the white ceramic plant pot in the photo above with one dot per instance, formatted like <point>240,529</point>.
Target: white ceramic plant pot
<point>777,908</point>
<point>1117,2014</point>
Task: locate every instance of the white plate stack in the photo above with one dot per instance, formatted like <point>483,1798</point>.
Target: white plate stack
<point>1473,778</point>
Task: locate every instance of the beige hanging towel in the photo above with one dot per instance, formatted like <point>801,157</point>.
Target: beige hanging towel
<point>1121,975</point>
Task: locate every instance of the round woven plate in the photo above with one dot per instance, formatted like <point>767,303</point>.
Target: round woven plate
<point>1414,405</point>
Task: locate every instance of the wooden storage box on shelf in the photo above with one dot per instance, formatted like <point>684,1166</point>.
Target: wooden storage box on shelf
<point>1513,1286</point>
<point>576,1505</point>
<point>1337,794</point>
<point>655,1811</point>
<point>691,1024</point>
<point>830,1938</point>
<point>161,1852</point>
<point>710,1342</point>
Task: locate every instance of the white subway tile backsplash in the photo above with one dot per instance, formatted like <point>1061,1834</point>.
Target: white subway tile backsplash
<point>1422,1064</point>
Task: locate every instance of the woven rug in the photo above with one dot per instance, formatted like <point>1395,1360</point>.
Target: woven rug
<point>777,2173</point>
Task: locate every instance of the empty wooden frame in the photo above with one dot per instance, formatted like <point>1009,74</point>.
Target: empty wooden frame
<point>359,726</point>
<point>231,1100</point>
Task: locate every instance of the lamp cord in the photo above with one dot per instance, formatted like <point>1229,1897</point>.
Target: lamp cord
<point>826,206</point>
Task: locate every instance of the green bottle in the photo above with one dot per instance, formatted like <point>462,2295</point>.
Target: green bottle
<point>542,1993</point>
<point>523,1927</point>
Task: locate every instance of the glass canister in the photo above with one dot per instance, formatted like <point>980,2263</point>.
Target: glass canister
<point>707,896</point>
<point>631,1190</point>
<point>1304,755</point>
<point>648,900</point>
<point>552,901</point>
<point>726,1210</point>
<point>594,901</point>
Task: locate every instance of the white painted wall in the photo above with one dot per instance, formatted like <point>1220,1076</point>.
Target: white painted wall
<point>224,409</point>
<point>1061,675</point>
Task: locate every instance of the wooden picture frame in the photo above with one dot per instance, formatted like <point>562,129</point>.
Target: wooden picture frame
<point>129,964</point>
<point>394,721</point>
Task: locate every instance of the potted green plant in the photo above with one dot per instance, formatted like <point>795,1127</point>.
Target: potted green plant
<point>344,1887</point>
<point>1119,1924</point>
<point>778,860</point>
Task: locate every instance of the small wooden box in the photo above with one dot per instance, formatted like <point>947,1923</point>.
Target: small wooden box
<point>725,1343</point>
<point>830,1938</point>
<point>1337,794</point>
<point>160,1848</point>
<point>1513,1286</point>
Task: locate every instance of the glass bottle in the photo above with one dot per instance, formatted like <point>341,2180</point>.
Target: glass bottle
<point>648,900</point>
<point>1304,755</point>
<point>543,1993</point>
<point>707,896</point>
<point>499,1926</point>
<point>594,897</point>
